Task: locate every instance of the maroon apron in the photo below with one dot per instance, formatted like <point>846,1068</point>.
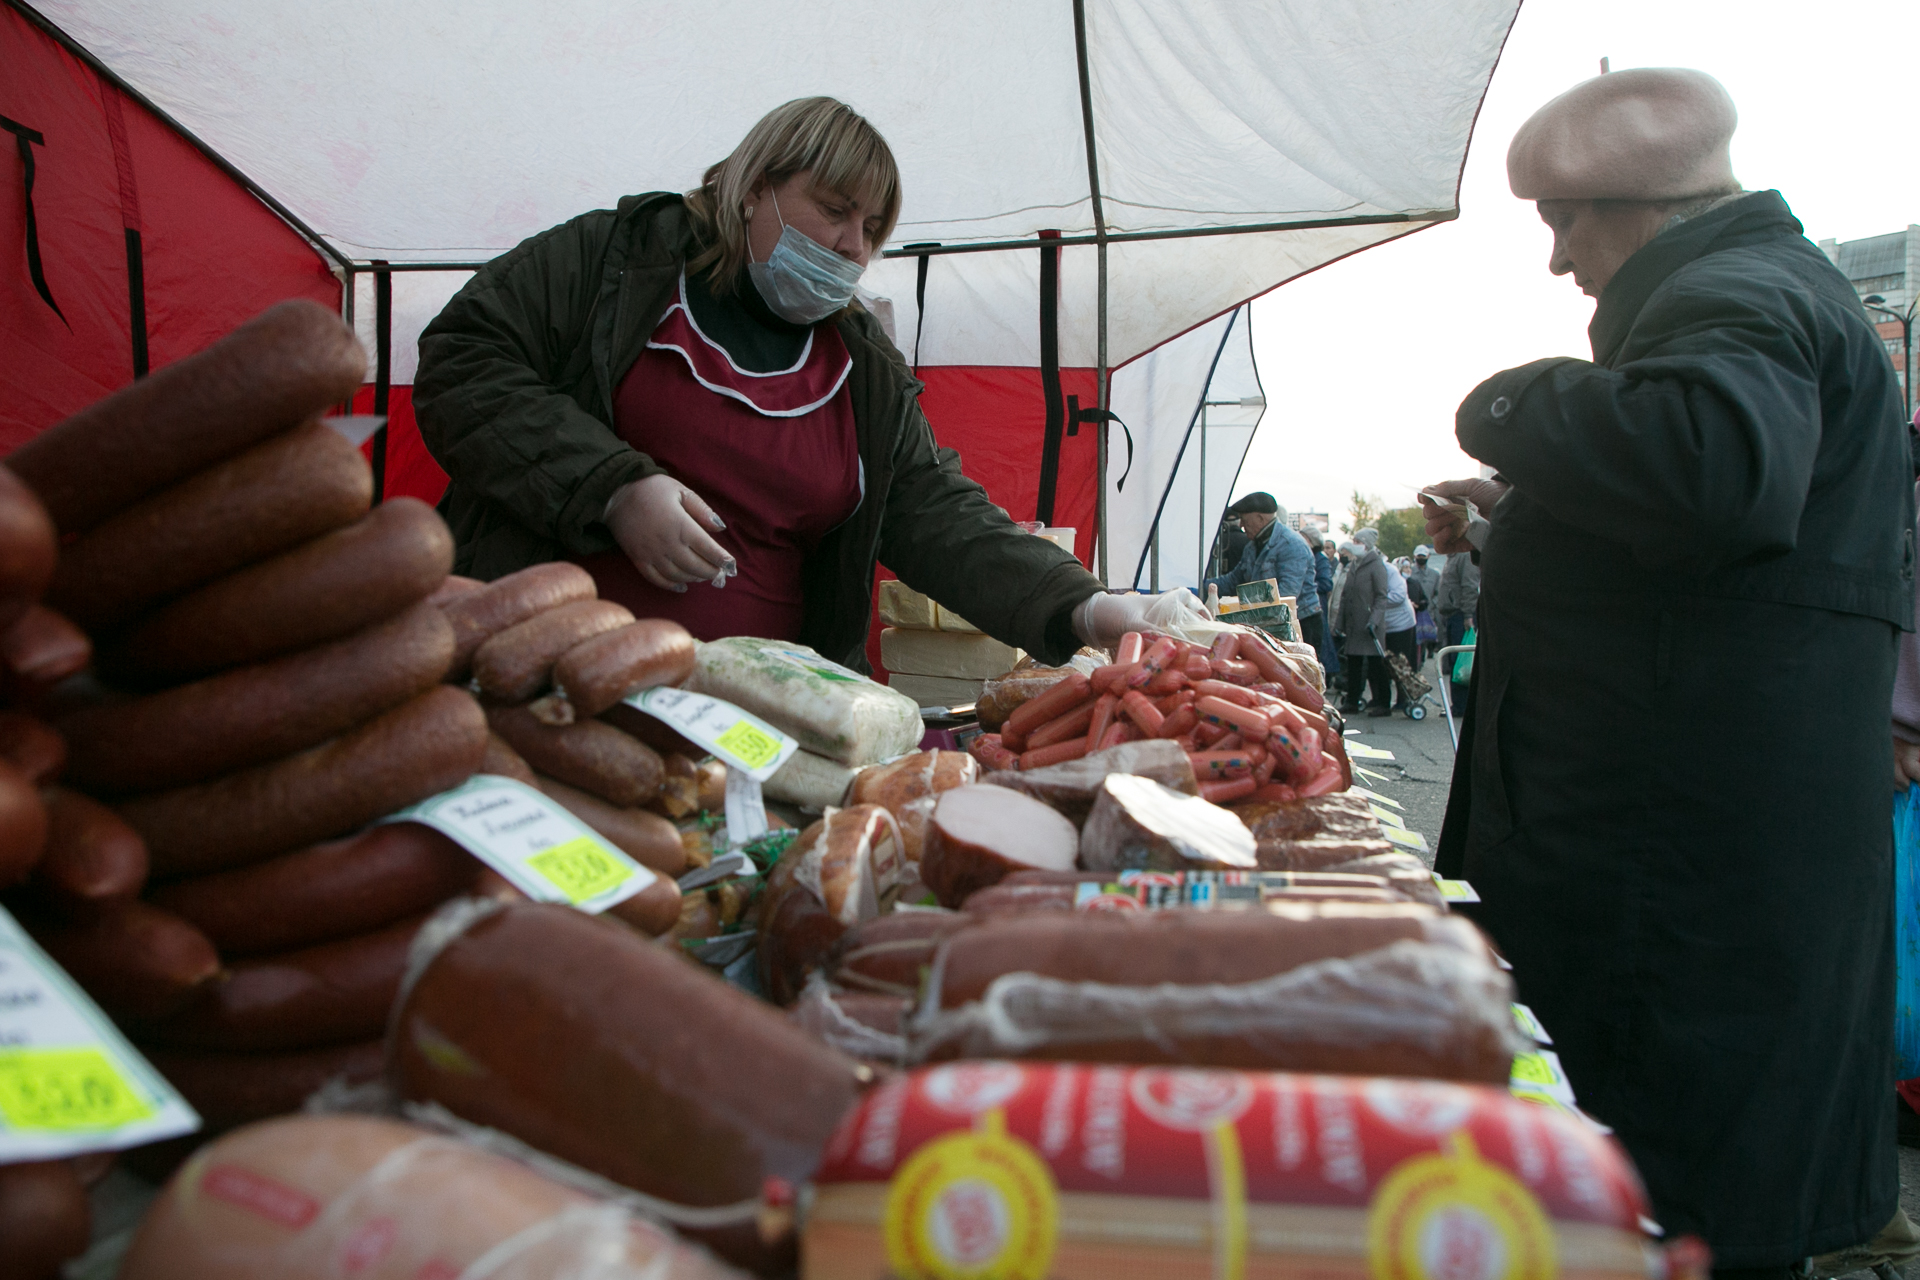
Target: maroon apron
<point>774,454</point>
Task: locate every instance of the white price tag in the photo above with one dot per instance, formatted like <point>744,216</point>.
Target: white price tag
<point>746,809</point>
<point>743,741</point>
<point>1368,773</point>
<point>1404,838</point>
<point>1361,751</point>
<point>1540,1073</point>
<point>1388,818</point>
<point>69,1081</point>
<point>543,851</point>
<point>1376,797</point>
<point>1461,891</point>
<point>1530,1024</point>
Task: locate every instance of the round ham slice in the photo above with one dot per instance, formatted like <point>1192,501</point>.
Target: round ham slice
<point>980,834</point>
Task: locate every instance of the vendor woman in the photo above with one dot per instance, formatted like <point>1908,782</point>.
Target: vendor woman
<point>681,395</point>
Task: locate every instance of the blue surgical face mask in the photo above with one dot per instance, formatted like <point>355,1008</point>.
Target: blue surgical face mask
<point>803,281</point>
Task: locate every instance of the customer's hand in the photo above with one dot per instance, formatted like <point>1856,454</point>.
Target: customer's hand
<point>1447,525</point>
<point>1906,763</point>
<point>662,526</point>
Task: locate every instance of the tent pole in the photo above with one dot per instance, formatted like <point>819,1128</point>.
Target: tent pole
<point>1100,248</point>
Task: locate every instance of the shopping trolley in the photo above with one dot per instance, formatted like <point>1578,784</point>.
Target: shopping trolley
<point>1446,686</point>
<point>1415,690</point>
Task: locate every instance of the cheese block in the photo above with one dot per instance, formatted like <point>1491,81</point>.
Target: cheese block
<point>832,710</point>
<point>936,691</point>
<point>947,620</point>
<point>902,606</point>
<point>945,653</point>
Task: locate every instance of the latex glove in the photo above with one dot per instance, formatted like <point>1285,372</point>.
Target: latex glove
<point>1100,620</point>
<point>663,527</point>
<point>1906,763</point>
<point>1450,527</point>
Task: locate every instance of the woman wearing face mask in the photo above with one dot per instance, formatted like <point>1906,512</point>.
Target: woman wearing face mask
<point>681,395</point>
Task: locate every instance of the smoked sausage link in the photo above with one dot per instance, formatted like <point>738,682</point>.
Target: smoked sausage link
<point>45,1218</point>
<point>589,754</point>
<point>40,649</point>
<point>28,546</point>
<point>332,890</point>
<point>30,745</point>
<point>280,368</point>
<point>274,496</point>
<point>93,858</point>
<point>653,911</point>
<point>136,960</point>
<point>418,749</point>
<point>509,601</point>
<point>602,671</point>
<point>254,714</point>
<point>23,826</point>
<point>538,1015</point>
<point>229,1089</point>
<point>517,663</point>
<point>503,761</point>
<point>335,993</point>
<point>647,838</point>
<point>393,557</point>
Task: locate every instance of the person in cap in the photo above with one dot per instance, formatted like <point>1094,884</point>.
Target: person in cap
<point>1680,835</point>
<point>1423,582</point>
<point>1273,551</point>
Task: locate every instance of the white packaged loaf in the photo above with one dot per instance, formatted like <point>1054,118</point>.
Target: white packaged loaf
<point>833,711</point>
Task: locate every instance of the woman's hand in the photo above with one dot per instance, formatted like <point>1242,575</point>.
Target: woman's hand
<point>1447,525</point>
<point>662,526</point>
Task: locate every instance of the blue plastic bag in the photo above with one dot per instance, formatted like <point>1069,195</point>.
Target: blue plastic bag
<point>1906,933</point>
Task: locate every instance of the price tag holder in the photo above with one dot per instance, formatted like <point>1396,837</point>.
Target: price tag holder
<point>1459,891</point>
<point>1376,797</point>
<point>1361,751</point>
<point>69,1081</point>
<point>1530,1023</point>
<point>1404,838</point>
<point>543,851</point>
<point>746,808</point>
<point>741,740</point>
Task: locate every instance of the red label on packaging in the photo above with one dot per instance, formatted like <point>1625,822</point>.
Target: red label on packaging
<point>274,1201</point>
<point>369,1244</point>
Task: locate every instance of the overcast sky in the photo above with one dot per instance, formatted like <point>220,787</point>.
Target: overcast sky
<point>1365,361</point>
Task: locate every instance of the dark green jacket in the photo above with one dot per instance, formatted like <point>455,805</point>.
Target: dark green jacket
<point>515,399</point>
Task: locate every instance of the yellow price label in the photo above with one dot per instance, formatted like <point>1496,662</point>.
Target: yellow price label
<point>580,868</point>
<point>1531,1068</point>
<point>750,746</point>
<point>62,1090</point>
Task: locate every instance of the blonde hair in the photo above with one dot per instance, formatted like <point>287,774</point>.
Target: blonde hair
<point>843,151</point>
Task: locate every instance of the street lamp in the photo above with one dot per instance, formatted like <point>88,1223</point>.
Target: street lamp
<point>1874,302</point>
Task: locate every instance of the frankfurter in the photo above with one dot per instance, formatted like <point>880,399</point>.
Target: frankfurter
<point>506,602</point>
<point>600,672</point>
<point>30,745</point>
<point>135,959</point>
<point>718,1091</point>
<point>422,747</point>
<point>229,1089</point>
<point>93,859</point>
<point>593,756</point>
<point>517,663</point>
<point>23,826</point>
<point>647,838</point>
<point>335,993</point>
<point>45,1218</point>
<point>253,714</point>
<point>334,890</point>
<point>286,364</point>
<point>1072,690</point>
<point>274,496</point>
<point>322,590</point>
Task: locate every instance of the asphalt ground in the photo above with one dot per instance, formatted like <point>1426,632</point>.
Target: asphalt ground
<point>1418,777</point>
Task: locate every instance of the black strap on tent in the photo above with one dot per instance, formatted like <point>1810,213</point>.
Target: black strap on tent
<point>920,295</point>
<point>137,301</point>
<point>110,107</point>
<point>1076,415</point>
<point>382,368</point>
<point>28,139</point>
<point>1050,375</point>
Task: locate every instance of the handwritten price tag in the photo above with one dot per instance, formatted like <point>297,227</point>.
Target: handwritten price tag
<point>1530,1024</point>
<point>744,741</point>
<point>1457,891</point>
<point>1376,797</point>
<point>1404,838</point>
<point>1387,817</point>
<point>69,1082</point>
<point>1361,751</point>
<point>543,851</point>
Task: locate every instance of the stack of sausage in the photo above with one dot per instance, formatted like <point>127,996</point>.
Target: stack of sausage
<point>1253,728</point>
<point>549,661</point>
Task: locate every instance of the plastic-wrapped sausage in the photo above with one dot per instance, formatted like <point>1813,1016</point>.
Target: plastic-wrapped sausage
<point>839,872</point>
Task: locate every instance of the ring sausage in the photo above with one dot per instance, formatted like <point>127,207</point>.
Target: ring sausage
<point>23,826</point>
<point>280,368</point>
<point>272,497</point>
<point>600,672</point>
<point>647,838</point>
<point>327,588</point>
<point>517,663</point>
<point>334,993</point>
<point>593,756</point>
<point>418,749</point>
<point>509,601</point>
<point>228,1089</point>
<point>93,859</point>
<point>136,960</point>
<point>332,890</point>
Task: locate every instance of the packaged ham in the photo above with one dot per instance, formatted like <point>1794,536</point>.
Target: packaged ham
<point>1188,890</point>
<point>840,871</point>
<point>1406,1009</point>
<point>1113,1173</point>
<point>979,834</point>
<point>833,711</point>
<point>810,781</point>
<point>1139,825</point>
<point>578,1037</point>
<point>317,1197</point>
<point>1191,948</point>
<point>1072,787</point>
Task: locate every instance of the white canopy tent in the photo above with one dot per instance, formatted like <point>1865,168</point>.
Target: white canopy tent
<point>1190,155</point>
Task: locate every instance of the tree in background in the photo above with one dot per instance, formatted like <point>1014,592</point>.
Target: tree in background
<point>1364,510</point>
<point>1401,530</point>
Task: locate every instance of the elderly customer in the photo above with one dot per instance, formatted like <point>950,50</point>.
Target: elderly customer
<point>1273,551</point>
<point>1455,601</point>
<point>1372,602</point>
<point>1695,892</point>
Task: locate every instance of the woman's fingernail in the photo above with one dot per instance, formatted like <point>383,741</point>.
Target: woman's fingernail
<point>719,524</point>
<point>680,586</point>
